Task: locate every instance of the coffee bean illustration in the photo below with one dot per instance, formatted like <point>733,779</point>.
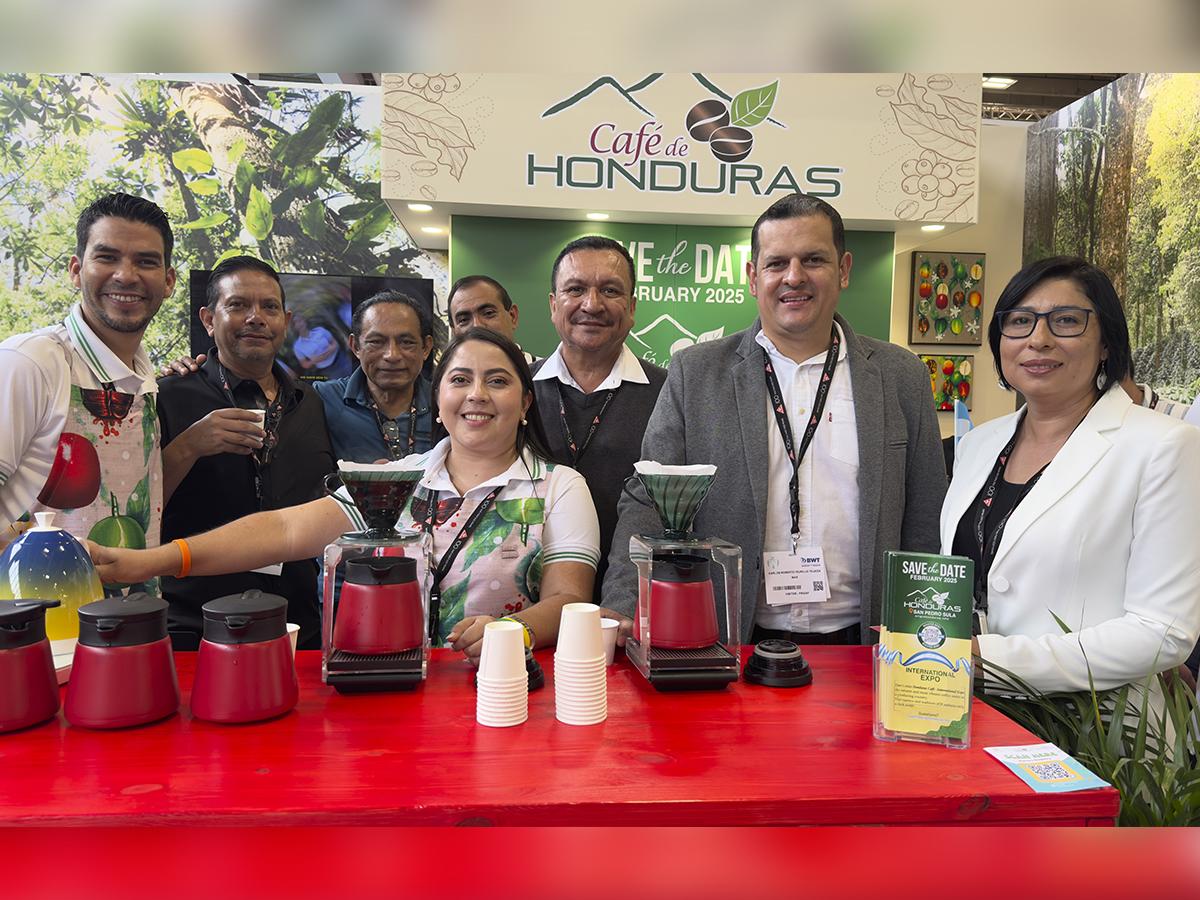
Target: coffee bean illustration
<point>731,143</point>
<point>706,117</point>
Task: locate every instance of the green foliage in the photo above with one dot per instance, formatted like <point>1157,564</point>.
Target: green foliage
<point>259,218</point>
<point>1148,754</point>
<point>193,161</point>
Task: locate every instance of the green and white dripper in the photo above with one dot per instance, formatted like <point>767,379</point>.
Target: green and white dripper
<point>676,493</point>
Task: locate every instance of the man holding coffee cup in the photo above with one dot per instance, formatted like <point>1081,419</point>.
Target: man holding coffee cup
<point>241,436</point>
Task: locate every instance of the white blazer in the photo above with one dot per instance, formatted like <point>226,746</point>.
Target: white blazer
<point>1107,540</point>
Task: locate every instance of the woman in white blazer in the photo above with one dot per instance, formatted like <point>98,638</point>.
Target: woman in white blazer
<point>1079,505</point>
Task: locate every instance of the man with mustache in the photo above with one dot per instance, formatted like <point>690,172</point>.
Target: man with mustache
<point>241,436</point>
<point>80,434</point>
<point>593,394</point>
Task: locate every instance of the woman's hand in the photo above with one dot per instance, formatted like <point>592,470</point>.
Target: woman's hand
<point>118,566</point>
<point>624,629</point>
<point>467,636</point>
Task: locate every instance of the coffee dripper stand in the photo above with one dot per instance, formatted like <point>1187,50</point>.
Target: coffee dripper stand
<point>379,496</point>
<point>677,500</point>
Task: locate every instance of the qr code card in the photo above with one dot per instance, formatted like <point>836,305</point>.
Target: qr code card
<point>1046,768</point>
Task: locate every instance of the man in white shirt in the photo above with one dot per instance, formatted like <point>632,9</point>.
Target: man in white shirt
<point>81,435</point>
<point>826,444</point>
<point>593,395</point>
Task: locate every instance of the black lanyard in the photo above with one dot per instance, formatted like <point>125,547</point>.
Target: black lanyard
<point>451,554</point>
<point>985,547</point>
<point>796,457</point>
<point>577,452</point>
<point>261,457</point>
<point>391,432</point>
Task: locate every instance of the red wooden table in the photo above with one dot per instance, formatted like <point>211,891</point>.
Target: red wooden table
<point>746,755</point>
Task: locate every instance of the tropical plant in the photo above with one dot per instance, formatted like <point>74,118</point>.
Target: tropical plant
<point>1148,755</point>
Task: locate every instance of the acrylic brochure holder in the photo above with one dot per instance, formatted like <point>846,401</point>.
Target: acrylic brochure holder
<point>373,635</point>
<point>683,639</point>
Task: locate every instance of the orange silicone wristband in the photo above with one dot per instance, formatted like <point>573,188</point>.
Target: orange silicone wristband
<point>185,561</point>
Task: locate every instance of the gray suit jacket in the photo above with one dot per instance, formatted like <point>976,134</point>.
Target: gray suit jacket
<point>713,409</point>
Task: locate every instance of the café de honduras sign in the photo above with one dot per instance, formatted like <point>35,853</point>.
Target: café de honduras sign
<point>683,147</point>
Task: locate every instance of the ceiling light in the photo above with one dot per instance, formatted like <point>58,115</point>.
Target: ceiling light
<point>933,227</point>
<point>998,82</point>
<point>432,229</point>
<point>597,217</point>
<point>420,207</point>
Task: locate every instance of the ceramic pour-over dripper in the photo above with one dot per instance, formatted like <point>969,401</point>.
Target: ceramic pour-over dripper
<point>379,492</point>
<point>676,492</point>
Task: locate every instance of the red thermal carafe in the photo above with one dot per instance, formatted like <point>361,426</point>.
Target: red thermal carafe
<point>28,686</point>
<point>380,608</point>
<point>245,671</point>
<point>683,610</point>
<point>123,673</point>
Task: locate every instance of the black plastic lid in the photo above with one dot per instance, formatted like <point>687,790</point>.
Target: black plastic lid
<point>123,621</point>
<point>686,568</point>
<point>245,618</point>
<point>777,663</point>
<point>381,569</point>
<point>23,622</point>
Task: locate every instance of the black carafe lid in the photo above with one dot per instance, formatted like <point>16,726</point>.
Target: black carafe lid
<point>381,569</point>
<point>123,621</point>
<point>23,622</point>
<point>777,663</point>
<point>245,618</point>
<point>685,568</point>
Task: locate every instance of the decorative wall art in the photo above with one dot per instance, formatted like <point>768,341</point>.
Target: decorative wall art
<point>950,379</point>
<point>947,298</point>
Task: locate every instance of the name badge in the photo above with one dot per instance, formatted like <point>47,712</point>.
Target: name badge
<point>795,577</point>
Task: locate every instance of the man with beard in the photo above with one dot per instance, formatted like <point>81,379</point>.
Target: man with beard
<point>241,436</point>
<point>593,395</point>
<point>81,431</point>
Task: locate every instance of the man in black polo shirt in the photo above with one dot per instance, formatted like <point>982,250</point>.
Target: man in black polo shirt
<point>241,436</point>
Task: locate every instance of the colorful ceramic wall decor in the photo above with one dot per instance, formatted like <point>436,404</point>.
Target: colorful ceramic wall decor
<point>947,298</point>
<point>950,379</point>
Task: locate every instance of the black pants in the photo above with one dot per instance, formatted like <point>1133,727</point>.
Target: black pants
<point>848,635</point>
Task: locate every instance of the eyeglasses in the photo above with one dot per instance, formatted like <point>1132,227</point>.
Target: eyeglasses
<point>1064,321</point>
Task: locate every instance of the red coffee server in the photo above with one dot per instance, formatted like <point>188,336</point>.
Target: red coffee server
<point>123,673</point>
<point>380,608</point>
<point>245,671</point>
<point>28,687</point>
<point>683,610</point>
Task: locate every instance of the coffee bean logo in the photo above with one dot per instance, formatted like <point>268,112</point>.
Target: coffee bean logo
<point>731,143</point>
<point>706,117</point>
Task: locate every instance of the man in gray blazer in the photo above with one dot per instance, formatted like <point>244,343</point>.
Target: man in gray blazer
<point>799,384</point>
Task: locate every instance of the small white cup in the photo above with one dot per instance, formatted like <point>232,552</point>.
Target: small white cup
<point>608,631</point>
<point>293,633</point>
<point>579,632</point>
<point>503,655</point>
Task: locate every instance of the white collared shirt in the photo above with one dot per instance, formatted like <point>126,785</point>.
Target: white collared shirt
<point>828,480</point>
<point>626,368</point>
<point>37,370</point>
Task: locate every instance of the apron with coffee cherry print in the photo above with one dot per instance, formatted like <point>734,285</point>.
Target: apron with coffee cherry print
<point>106,481</point>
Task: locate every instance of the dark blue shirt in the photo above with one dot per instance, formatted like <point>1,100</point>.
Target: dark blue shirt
<point>353,424</point>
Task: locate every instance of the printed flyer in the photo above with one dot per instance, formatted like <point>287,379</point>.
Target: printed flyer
<point>923,668</point>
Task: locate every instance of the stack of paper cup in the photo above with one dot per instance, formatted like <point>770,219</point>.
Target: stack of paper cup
<point>502,684</point>
<point>580,688</point>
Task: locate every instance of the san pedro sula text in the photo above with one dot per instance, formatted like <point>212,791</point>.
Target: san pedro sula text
<point>670,176</point>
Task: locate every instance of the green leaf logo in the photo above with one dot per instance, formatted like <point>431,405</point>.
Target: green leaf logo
<point>751,107</point>
<point>259,218</point>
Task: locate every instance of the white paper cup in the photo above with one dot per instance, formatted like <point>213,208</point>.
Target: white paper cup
<point>501,721</point>
<point>579,635</point>
<point>503,655</point>
<point>572,718</point>
<point>293,633</point>
<point>608,631</point>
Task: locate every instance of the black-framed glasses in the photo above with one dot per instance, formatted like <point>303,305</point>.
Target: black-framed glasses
<point>1064,321</point>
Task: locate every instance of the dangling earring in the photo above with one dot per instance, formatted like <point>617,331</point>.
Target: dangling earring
<point>1004,385</point>
<point>1101,378</point>
<point>524,421</point>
